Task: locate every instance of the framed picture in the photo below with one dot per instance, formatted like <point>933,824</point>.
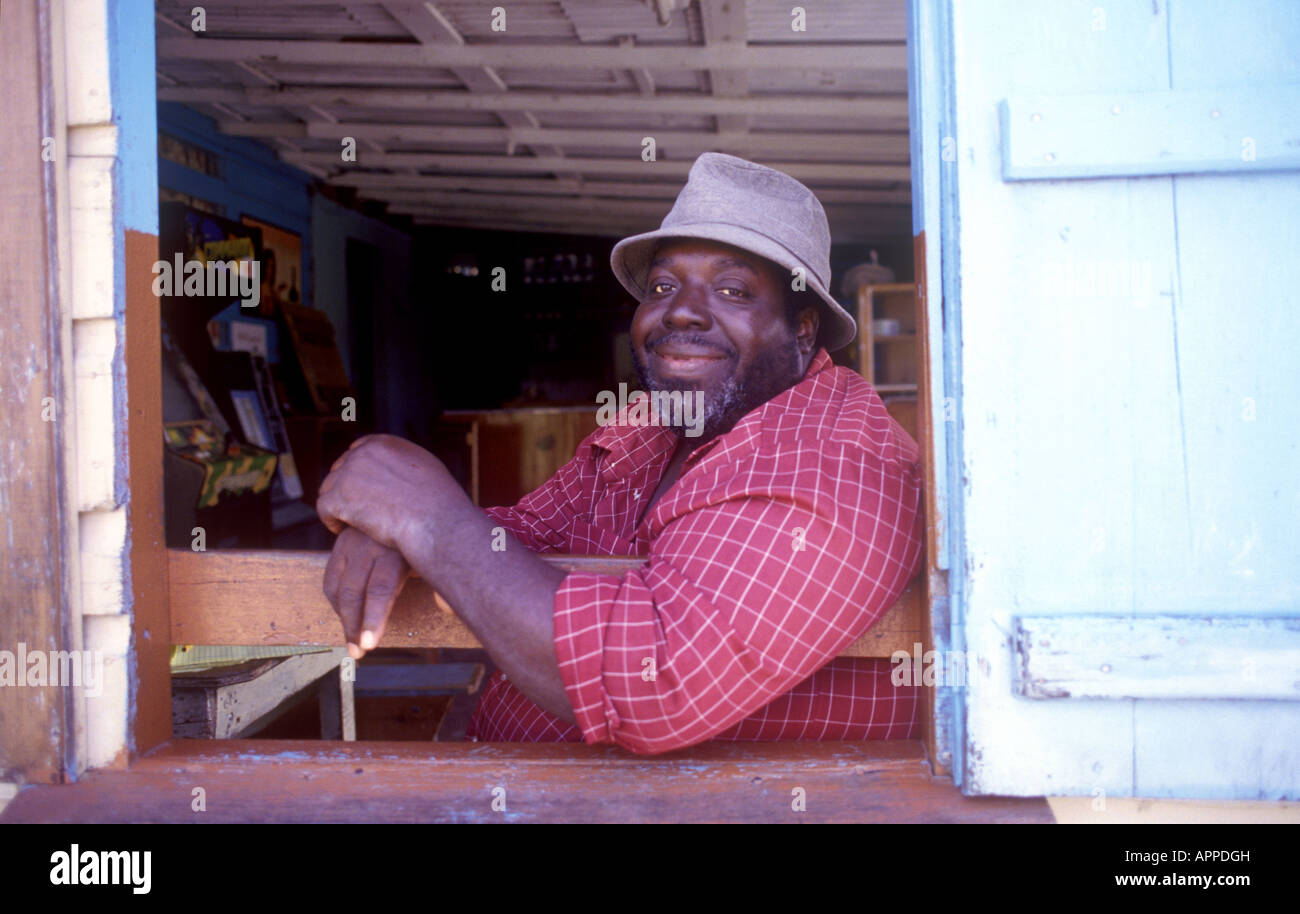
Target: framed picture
<point>281,265</point>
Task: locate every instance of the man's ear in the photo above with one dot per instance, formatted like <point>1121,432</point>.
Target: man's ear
<point>806,330</point>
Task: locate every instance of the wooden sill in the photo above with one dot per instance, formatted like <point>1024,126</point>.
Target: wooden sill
<point>312,781</point>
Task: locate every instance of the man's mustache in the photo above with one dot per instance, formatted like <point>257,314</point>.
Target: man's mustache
<point>689,340</point>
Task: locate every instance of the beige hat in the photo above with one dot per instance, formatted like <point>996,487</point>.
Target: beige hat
<point>757,209</point>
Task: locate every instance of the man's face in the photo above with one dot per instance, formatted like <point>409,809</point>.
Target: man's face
<point>714,320</point>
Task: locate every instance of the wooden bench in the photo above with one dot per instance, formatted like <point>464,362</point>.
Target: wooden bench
<point>237,700</point>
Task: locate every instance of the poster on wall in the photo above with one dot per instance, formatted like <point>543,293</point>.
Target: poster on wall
<point>281,265</point>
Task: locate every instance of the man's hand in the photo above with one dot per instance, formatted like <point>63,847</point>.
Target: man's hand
<point>397,510</point>
<point>388,488</point>
<point>362,581</point>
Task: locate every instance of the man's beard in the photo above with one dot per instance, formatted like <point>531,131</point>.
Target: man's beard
<point>774,370</point>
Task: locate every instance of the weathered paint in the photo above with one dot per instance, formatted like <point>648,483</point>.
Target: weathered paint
<point>1127,447</point>
<point>35,590</point>
<point>1175,657</point>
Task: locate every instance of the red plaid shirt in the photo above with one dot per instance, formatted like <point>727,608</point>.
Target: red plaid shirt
<point>779,544</point>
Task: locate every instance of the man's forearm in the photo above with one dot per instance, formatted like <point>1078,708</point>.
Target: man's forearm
<point>507,598</point>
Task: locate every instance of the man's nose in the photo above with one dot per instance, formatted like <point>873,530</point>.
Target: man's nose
<point>689,308</point>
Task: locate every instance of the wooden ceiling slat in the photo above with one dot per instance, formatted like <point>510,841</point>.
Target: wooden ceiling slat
<point>806,105</point>
<point>627,165</point>
<point>379,185</point>
<point>869,233</point>
<point>643,209</point>
<point>887,57</point>
<point>890,147</point>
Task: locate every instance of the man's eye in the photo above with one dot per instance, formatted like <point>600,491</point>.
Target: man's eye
<point>735,293</point>
<point>655,287</point>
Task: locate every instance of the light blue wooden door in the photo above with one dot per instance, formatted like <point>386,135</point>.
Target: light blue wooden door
<point>1121,261</point>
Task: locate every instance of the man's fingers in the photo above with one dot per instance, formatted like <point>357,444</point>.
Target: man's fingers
<point>362,582</point>
<point>333,575</point>
<point>333,569</point>
<point>351,594</point>
<point>387,576</point>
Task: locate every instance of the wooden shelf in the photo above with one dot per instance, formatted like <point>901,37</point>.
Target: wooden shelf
<point>893,369</point>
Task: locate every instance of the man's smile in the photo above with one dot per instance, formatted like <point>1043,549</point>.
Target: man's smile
<point>681,357</point>
<point>686,362</point>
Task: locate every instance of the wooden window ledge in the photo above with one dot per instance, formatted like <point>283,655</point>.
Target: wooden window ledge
<point>314,781</point>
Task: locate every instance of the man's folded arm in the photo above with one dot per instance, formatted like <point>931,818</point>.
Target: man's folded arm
<point>741,600</point>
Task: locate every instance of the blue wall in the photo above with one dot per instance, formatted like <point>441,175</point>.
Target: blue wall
<point>253,181</point>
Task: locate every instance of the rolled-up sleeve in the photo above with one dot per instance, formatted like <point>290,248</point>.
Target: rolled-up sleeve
<point>761,574</point>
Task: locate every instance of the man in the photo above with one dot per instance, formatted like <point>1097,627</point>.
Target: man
<point>775,537</point>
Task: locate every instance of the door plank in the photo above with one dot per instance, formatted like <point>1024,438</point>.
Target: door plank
<point>1168,656</point>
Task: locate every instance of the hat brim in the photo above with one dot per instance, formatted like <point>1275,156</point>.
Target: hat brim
<point>630,261</point>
